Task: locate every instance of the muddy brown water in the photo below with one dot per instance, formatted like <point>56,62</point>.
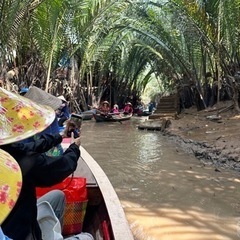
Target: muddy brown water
<point>166,193</point>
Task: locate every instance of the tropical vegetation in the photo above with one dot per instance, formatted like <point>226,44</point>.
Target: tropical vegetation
<point>113,49</point>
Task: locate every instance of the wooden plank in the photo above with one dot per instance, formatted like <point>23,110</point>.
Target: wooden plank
<point>162,115</point>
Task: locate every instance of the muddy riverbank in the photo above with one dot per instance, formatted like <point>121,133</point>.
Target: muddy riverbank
<point>212,135</point>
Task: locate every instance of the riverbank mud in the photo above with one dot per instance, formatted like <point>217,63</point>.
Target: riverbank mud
<point>212,135</point>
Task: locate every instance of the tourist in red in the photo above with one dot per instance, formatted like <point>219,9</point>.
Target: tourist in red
<point>128,108</point>
<point>105,108</point>
<point>115,108</point>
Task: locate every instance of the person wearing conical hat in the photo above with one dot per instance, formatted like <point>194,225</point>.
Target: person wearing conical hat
<point>115,108</point>
<point>10,186</point>
<point>128,108</point>
<point>42,97</point>
<point>20,119</point>
<point>63,113</point>
<point>105,107</point>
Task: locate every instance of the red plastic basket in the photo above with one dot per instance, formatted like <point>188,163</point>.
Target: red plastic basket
<point>76,197</point>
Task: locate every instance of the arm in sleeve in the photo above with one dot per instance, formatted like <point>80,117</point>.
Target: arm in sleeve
<point>41,145</point>
<point>52,170</point>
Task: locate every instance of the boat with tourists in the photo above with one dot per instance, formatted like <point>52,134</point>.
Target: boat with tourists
<point>112,117</point>
<point>104,218</point>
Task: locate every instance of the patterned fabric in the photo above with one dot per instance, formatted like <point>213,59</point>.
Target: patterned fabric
<point>21,118</point>
<point>55,151</point>
<point>10,183</point>
<point>52,129</point>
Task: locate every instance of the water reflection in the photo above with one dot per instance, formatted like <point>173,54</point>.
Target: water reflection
<point>150,150</point>
<point>166,193</point>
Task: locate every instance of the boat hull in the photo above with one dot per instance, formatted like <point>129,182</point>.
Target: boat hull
<point>112,117</point>
<point>105,217</point>
<point>86,116</point>
<point>144,113</point>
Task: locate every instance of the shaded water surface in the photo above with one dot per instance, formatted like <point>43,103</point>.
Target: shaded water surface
<point>166,194</point>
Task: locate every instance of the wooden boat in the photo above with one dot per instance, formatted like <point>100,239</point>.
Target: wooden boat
<point>155,125</point>
<point>105,218</point>
<point>86,116</point>
<point>119,117</point>
<point>144,113</point>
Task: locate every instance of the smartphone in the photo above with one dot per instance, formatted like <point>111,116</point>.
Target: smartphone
<point>77,119</point>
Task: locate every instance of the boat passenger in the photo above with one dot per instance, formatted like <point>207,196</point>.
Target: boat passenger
<point>115,108</point>
<point>10,186</point>
<point>41,97</point>
<point>150,107</point>
<point>57,201</point>
<point>38,169</point>
<point>105,108</point>
<point>63,112</point>
<point>128,108</point>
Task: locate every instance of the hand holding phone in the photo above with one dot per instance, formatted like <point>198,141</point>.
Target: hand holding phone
<point>72,137</point>
<point>77,141</point>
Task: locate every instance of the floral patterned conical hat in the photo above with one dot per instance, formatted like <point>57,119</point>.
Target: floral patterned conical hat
<point>21,118</point>
<point>10,183</point>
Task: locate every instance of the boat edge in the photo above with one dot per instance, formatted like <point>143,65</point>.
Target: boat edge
<point>120,226</point>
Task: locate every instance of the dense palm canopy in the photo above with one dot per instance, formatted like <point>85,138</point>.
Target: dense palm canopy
<point>118,46</point>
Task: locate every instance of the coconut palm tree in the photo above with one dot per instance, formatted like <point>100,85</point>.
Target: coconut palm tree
<point>122,44</point>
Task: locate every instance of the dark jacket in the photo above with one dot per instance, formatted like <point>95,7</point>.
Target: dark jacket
<point>38,170</point>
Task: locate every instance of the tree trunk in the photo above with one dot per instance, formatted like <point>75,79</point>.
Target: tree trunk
<point>235,88</point>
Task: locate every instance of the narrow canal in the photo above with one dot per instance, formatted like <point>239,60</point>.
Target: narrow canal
<point>166,194</point>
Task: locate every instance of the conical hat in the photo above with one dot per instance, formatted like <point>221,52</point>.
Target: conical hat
<point>10,184</point>
<point>62,98</point>
<point>21,118</point>
<point>41,97</point>
<point>105,102</point>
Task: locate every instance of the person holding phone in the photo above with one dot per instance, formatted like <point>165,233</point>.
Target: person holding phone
<point>38,169</point>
